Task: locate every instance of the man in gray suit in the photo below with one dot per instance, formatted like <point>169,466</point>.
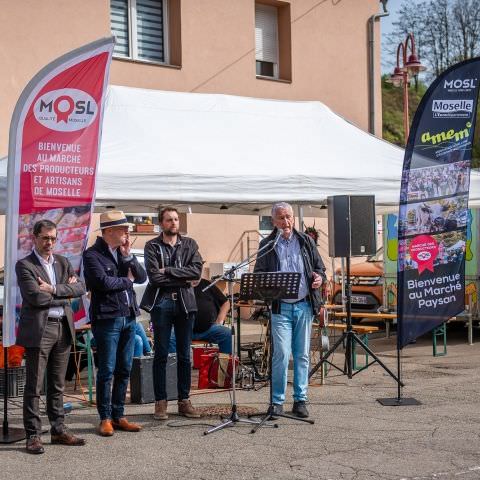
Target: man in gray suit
<point>47,283</point>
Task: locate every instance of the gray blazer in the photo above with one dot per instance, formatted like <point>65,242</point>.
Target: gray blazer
<point>35,303</point>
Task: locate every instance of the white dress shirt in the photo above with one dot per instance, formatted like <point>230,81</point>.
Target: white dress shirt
<point>56,312</point>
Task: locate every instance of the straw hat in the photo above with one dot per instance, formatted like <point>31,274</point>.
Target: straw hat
<point>114,218</point>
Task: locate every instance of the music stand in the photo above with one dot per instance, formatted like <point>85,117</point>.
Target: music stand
<point>268,287</point>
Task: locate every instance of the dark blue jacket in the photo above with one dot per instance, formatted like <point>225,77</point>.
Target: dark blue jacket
<point>107,281</point>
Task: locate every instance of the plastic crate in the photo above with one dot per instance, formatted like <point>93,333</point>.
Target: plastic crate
<point>16,381</point>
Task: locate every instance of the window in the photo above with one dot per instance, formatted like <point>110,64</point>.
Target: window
<point>273,44</point>
<point>140,27</point>
<point>265,224</point>
<point>266,40</point>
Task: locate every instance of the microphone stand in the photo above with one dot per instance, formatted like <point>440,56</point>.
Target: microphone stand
<point>229,277</point>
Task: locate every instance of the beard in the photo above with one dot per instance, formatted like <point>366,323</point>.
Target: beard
<point>170,232</point>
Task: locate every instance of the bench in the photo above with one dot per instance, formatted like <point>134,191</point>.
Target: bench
<point>388,318</point>
<point>360,329</point>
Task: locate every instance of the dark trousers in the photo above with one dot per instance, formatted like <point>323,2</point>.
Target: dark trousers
<point>115,340</point>
<point>51,355</point>
<point>165,314</point>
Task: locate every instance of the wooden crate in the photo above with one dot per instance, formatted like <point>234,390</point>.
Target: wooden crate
<point>144,228</point>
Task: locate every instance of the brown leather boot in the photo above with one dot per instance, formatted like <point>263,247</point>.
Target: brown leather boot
<point>105,429</point>
<point>34,445</point>
<point>125,425</point>
<point>160,410</point>
<point>186,409</point>
<point>66,438</point>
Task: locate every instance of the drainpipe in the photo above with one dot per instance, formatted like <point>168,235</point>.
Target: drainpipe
<point>371,65</point>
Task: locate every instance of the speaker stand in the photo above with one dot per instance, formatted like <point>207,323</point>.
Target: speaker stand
<point>349,337</point>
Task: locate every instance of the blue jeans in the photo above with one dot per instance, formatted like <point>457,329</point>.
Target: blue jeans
<point>165,314</point>
<point>142,345</point>
<point>291,330</point>
<point>115,339</point>
<point>218,334</point>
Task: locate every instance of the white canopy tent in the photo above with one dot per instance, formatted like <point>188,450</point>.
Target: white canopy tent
<point>206,151</point>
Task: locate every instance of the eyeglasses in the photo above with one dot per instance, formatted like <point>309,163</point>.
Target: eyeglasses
<point>46,238</point>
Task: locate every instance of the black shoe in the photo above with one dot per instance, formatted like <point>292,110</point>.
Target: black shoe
<point>276,410</point>
<point>300,409</point>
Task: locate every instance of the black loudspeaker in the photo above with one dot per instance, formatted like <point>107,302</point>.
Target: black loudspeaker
<point>141,379</point>
<point>351,225</point>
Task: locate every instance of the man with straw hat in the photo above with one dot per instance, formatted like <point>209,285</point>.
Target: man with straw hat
<point>110,271</point>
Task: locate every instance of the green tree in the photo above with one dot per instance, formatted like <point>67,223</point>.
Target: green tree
<point>392,109</point>
<point>445,31</point>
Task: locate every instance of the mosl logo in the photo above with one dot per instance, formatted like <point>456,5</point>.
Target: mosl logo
<point>459,84</point>
<point>424,256</point>
<point>65,110</point>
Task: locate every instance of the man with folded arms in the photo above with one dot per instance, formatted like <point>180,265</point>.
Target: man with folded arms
<point>47,283</point>
<point>110,271</point>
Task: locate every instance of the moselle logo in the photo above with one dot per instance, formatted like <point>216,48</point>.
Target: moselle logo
<point>424,256</point>
<point>452,108</point>
<point>447,136</point>
<point>460,84</point>
<point>65,110</point>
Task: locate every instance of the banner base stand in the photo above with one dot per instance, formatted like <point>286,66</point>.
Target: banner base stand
<point>398,402</point>
<point>12,435</point>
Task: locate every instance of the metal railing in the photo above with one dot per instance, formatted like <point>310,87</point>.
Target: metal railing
<point>245,245</point>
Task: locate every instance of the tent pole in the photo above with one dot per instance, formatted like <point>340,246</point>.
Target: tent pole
<point>301,225</point>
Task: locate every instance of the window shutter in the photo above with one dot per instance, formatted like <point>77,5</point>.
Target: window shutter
<point>119,26</point>
<point>266,33</point>
<point>150,44</point>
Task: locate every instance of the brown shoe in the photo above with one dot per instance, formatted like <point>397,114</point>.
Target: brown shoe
<point>105,429</point>
<point>186,409</point>
<point>125,425</point>
<point>160,410</point>
<point>34,445</point>
<point>66,438</point>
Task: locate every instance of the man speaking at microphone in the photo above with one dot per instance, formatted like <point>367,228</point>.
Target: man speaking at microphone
<point>292,251</point>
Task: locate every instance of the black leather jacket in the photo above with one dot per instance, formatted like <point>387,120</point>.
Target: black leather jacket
<point>311,260</point>
<point>107,281</point>
<point>188,266</point>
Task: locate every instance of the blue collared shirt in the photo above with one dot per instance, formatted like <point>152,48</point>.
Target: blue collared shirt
<point>291,260</point>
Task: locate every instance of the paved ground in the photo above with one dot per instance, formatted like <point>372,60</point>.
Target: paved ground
<point>354,437</point>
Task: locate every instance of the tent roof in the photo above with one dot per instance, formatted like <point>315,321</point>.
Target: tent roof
<point>202,151</point>
<point>210,149</point>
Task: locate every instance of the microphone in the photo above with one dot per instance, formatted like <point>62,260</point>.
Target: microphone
<point>277,238</point>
